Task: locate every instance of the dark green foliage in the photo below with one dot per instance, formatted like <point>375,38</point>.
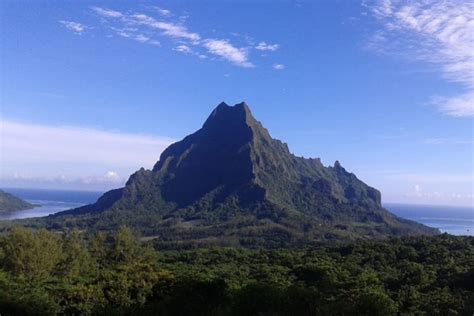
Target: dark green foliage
<point>42,273</point>
<point>10,203</point>
<point>31,255</point>
<point>230,184</point>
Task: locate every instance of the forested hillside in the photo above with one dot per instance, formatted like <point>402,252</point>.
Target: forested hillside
<point>11,203</point>
<point>43,273</point>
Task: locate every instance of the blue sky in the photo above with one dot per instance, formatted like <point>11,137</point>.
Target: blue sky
<point>91,91</point>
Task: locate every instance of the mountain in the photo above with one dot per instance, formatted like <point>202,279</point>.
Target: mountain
<point>232,183</point>
<point>10,203</point>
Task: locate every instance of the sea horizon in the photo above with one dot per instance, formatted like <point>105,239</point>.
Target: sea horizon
<point>455,220</point>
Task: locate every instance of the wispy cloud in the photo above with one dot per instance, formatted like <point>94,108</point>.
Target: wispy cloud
<point>437,32</point>
<point>224,49</point>
<point>26,144</point>
<point>136,36</point>
<point>267,47</point>
<point>161,11</point>
<point>221,48</point>
<point>420,195</point>
<point>144,28</point>
<point>448,141</point>
<point>107,13</point>
<point>104,181</point>
<point>457,106</point>
<point>170,29</point>
<point>425,187</point>
<point>278,66</point>
<point>75,27</point>
<point>183,49</point>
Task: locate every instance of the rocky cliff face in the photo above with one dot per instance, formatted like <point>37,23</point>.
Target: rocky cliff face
<point>232,179</point>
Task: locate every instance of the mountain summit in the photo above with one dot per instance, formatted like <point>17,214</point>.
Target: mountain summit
<point>232,183</point>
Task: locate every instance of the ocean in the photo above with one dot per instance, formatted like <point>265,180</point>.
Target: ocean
<point>453,220</point>
<point>450,219</point>
<point>50,201</point>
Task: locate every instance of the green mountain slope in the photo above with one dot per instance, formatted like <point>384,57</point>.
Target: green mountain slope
<point>10,203</point>
<point>232,183</point>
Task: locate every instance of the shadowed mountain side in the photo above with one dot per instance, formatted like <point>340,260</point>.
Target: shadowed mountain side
<point>231,183</point>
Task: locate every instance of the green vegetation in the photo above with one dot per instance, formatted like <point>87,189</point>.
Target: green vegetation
<point>42,273</point>
<point>10,203</point>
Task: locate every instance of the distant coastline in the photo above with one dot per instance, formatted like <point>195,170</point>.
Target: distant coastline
<point>454,220</point>
<point>48,201</point>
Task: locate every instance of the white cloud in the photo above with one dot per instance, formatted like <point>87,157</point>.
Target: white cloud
<point>142,38</point>
<point>278,66</point>
<point>457,106</point>
<point>438,198</point>
<point>267,47</point>
<point>112,176</point>
<point>106,181</point>
<point>183,18</point>
<point>183,49</point>
<point>76,28</point>
<point>425,187</point>
<point>134,35</point>
<point>29,145</point>
<point>418,189</point>
<point>384,8</point>
<point>437,32</point>
<point>141,27</point>
<point>107,13</point>
<point>161,11</point>
<point>226,50</point>
<point>168,28</point>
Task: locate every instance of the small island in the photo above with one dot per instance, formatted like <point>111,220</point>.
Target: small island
<point>11,203</point>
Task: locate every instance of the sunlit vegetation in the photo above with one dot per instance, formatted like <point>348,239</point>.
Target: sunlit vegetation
<point>43,273</point>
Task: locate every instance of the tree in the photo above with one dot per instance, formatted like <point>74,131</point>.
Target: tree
<point>125,246</point>
<point>76,261</point>
<point>32,255</point>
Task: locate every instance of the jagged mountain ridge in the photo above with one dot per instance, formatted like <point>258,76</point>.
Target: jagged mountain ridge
<point>232,174</point>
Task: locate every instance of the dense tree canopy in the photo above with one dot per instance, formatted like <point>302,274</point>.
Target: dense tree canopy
<point>42,273</point>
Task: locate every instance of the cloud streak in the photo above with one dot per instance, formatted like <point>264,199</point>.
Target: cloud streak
<point>226,50</point>
<point>76,28</point>
<point>437,32</point>
<point>161,11</point>
<point>108,180</point>
<point>278,66</point>
<point>435,187</point>
<point>267,47</point>
<point>107,13</point>
<point>28,146</point>
<point>144,28</point>
<point>170,29</point>
<point>134,35</point>
<point>457,106</point>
